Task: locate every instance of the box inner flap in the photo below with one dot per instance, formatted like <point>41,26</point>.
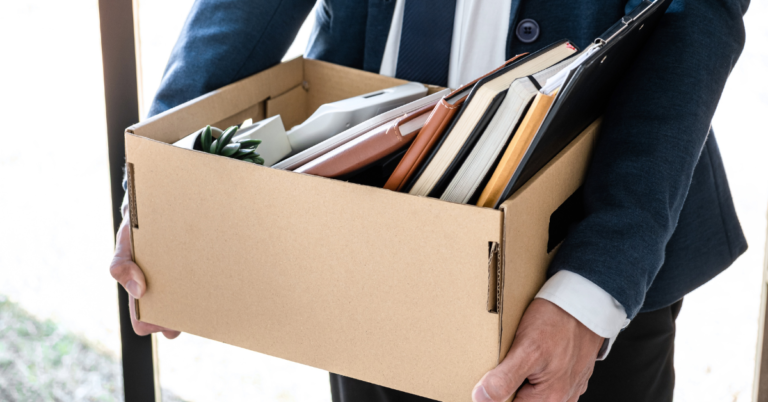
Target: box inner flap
<point>297,88</point>
<point>218,105</point>
<point>291,106</point>
<point>327,82</point>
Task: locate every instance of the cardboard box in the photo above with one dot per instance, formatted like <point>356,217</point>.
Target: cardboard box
<point>408,292</point>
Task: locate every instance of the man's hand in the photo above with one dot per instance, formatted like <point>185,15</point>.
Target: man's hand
<point>553,350</point>
<point>125,271</point>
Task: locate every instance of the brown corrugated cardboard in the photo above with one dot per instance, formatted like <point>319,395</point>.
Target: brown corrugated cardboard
<point>526,230</point>
<point>386,287</point>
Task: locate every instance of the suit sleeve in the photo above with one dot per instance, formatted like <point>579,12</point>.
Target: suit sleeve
<point>653,132</point>
<point>223,41</point>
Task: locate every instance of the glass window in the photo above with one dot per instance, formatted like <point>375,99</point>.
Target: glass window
<point>59,330</point>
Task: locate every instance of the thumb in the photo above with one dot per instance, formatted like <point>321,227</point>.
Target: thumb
<point>499,384</point>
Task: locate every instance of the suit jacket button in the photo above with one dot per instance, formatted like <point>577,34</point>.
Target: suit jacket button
<point>527,30</point>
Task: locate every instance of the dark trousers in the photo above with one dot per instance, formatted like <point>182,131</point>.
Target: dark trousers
<point>639,368</point>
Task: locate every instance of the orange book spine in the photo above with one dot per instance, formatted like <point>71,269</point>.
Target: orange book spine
<point>516,150</point>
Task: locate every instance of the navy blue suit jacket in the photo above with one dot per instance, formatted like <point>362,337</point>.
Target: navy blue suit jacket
<point>660,220</point>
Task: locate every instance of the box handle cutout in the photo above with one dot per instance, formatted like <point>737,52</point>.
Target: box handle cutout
<point>494,277</point>
<point>566,215</point>
<point>132,198</point>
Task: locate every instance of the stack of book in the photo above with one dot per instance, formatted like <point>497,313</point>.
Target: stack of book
<point>477,144</point>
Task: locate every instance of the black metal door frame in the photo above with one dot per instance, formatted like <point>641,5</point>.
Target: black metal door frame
<point>121,98</point>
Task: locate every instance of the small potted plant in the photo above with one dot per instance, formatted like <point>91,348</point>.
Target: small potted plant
<point>244,150</point>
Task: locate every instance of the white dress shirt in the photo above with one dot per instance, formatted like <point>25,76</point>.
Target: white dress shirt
<point>478,46</point>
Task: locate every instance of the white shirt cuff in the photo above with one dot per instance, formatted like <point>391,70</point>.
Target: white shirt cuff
<point>588,303</point>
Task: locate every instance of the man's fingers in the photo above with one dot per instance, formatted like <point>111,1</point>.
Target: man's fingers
<point>577,395</point>
<point>170,334</point>
<point>542,393</point>
<point>143,328</point>
<point>129,275</point>
<point>125,271</point>
<point>584,384</point>
<point>496,386</point>
<point>500,383</point>
<point>552,350</point>
<point>123,240</point>
<point>122,268</point>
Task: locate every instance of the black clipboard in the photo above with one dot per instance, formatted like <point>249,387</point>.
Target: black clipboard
<point>585,92</point>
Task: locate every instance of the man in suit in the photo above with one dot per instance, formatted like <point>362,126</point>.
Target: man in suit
<point>659,216</point>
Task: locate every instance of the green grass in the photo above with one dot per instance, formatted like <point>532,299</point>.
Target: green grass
<point>40,361</point>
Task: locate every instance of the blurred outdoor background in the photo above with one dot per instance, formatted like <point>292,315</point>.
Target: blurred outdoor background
<point>59,332</point>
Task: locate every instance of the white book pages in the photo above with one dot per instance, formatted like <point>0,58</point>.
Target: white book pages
<point>473,110</point>
<point>491,143</point>
<point>483,155</point>
<point>414,125</point>
<point>557,80</point>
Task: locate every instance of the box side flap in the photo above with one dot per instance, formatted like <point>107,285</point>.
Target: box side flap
<point>218,105</point>
<point>527,225</point>
<point>494,277</point>
<point>381,286</point>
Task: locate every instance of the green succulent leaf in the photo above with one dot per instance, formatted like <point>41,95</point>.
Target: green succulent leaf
<point>225,138</point>
<point>207,138</point>
<point>244,150</point>
<point>244,153</point>
<point>230,149</point>
<point>246,144</point>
